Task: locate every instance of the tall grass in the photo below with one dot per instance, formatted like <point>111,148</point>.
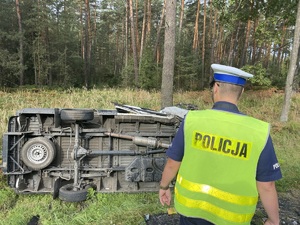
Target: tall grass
<point>130,208</point>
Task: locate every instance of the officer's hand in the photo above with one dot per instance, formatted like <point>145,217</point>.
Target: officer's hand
<point>165,196</point>
<point>269,222</point>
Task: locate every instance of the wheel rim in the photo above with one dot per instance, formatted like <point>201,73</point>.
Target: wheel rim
<point>37,153</point>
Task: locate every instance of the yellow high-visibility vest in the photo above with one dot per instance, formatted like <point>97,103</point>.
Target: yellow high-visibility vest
<point>216,180</point>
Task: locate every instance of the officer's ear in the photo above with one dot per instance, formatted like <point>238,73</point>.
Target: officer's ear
<point>216,85</point>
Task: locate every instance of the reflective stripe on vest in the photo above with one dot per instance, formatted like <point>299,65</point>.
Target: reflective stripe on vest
<point>215,192</point>
<point>206,206</point>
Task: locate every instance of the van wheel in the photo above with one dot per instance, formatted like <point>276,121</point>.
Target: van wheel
<point>77,115</point>
<point>38,153</point>
<point>56,187</point>
<point>68,193</point>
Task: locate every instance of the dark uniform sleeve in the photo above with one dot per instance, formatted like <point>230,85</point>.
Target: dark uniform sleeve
<point>176,150</point>
<point>268,168</point>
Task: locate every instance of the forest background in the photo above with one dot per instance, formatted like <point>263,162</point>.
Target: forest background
<point>117,43</point>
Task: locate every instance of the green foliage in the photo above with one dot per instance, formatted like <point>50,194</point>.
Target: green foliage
<point>117,208</point>
<point>91,194</point>
<point>260,77</point>
<point>278,75</point>
<point>9,65</point>
<point>187,72</point>
<point>7,199</point>
<point>128,75</point>
<point>281,9</point>
<point>54,33</point>
<point>150,73</point>
<point>266,31</point>
<point>287,150</point>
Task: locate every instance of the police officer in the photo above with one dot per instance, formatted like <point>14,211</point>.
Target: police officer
<point>223,160</point>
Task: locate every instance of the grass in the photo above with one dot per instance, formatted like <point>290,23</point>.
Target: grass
<point>121,208</point>
<point>102,208</point>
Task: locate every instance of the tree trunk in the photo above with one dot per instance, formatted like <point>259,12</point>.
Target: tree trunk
<point>21,53</point>
<point>292,69</point>
<point>234,42</point>
<point>196,32</point>
<point>254,41</point>
<point>220,44</point>
<point>88,46</point>
<point>133,43</point>
<point>169,55</point>
<point>203,44</point>
<point>36,55</point>
<point>267,57</point>
<point>159,31</point>
<point>259,53</point>
<point>49,71</point>
<point>126,43</point>
<point>180,19</point>
<point>245,48</point>
<point>137,26</point>
<point>126,36</point>
<point>231,49</point>
<point>81,30</point>
<point>149,15</point>
<point>280,52</point>
<point>143,34</point>
<point>214,39</point>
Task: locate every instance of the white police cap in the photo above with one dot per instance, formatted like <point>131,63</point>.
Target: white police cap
<point>228,74</point>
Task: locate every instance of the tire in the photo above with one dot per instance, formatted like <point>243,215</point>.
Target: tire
<point>68,194</point>
<point>77,115</point>
<point>56,187</point>
<point>38,153</point>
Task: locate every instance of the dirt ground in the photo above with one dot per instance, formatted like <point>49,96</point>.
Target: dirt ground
<point>289,204</point>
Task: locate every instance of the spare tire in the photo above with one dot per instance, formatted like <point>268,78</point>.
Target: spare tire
<point>76,115</point>
<point>68,193</point>
<point>38,153</point>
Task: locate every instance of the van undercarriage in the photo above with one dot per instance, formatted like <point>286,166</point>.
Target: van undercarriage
<point>67,151</point>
